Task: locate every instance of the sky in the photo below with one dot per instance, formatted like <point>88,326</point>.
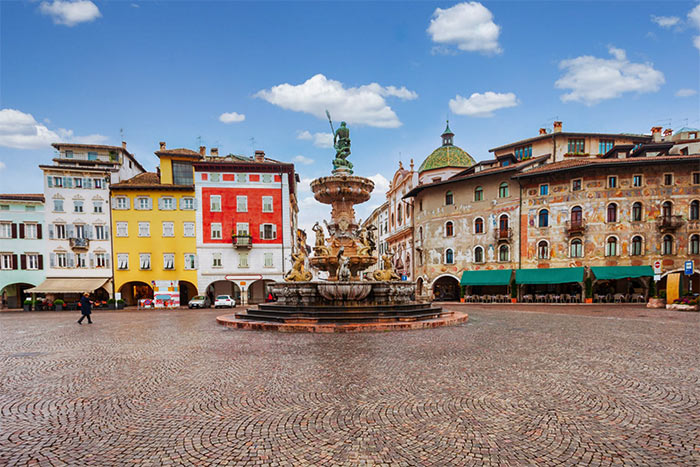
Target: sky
<point>246,76</point>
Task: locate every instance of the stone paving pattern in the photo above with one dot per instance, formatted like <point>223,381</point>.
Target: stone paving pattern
<point>507,387</point>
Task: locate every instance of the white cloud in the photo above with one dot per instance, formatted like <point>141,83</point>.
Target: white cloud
<point>363,105</point>
<point>231,117</point>
<point>467,25</point>
<point>70,13</point>
<point>694,18</point>
<point>303,160</point>
<point>665,21</point>
<point>321,140</point>
<point>306,135</point>
<point>381,184</point>
<point>2,165</point>
<point>593,79</point>
<point>482,105</point>
<point>21,131</point>
<point>686,92</point>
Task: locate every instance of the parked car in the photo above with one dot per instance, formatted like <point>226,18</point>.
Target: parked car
<point>224,301</point>
<point>200,301</point>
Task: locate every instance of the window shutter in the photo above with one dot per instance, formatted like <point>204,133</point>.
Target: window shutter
<point>41,261</point>
<point>196,262</point>
<point>182,203</point>
<point>23,261</point>
<point>14,230</point>
<point>87,183</point>
<point>14,262</point>
<point>150,203</point>
<point>70,231</point>
<point>107,262</point>
<point>92,261</point>
<point>160,203</point>
<point>274,231</point>
<point>50,230</point>
<point>67,182</point>
<point>88,231</point>
<point>21,230</point>
<point>38,231</point>
<point>71,260</point>
<point>106,230</point>
<point>49,181</point>
<point>52,260</point>
<point>195,203</point>
<point>262,231</point>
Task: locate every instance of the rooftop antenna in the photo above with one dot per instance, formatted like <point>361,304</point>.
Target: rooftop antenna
<point>121,134</point>
<point>199,141</point>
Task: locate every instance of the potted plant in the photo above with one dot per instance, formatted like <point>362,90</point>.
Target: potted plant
<point>513,292</point>
<point>28,304</point>
<point>58,303</point>
<point>589,289</point>
<point>687,303</point>
<point>657,300</point>
<point>38,305</point>
<point>112,304</point>
<point>120,304</point>
<point>461,293</point>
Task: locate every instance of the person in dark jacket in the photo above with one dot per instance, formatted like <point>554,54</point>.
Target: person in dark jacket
<point>85,308</point>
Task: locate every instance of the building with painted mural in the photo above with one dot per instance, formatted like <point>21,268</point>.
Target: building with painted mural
<point>22,246</point>
<point>399,236</point>
<point>247,213</point>
<point>153,221</point>
<point>77,217</point>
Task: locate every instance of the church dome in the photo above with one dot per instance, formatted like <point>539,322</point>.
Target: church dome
<point>447,155</point>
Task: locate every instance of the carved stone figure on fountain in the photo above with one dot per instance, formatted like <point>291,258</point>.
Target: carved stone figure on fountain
<point>365,247</point>
<point>388,273</point>
<point>320,248</point>
<point>344,273</point>
<point>298,273</point>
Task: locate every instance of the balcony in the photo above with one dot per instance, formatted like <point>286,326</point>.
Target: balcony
<point>669,223</point>
<point>242,241</point>
<point>575,227</point>
<point>503,235</point>
<point>77,243</point>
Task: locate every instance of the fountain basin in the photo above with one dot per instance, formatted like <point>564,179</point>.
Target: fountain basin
<point>354,291</point>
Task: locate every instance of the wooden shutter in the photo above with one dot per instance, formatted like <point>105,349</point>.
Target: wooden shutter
<point>21,232</point>
<point>160,203</point>
<point>52,260</point>
<point>23,261</point>
<point>14,262</point>
<point>274,231</point>
<point>92,261</point>
<point>14,230</point>
<point>38,231</point>
<point>41,261</point>
<point>49,181</point>
<point>107,264</point>
<point>50,230</point>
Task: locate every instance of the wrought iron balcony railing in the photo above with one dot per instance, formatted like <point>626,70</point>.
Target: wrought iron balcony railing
<point>576,226</point>
<point>78,243</point>
<point>242,241</point>
<point>669,223</point>
<point>503,235</point>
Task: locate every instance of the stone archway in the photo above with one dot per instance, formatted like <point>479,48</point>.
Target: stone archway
<point>13,296</point>
<point>446,288</point>
<point>257,291</point>
<point>134,291</point>
<point>223,287</point>
<point>187,291</point>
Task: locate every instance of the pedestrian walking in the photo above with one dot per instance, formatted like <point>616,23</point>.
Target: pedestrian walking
<point>85,308</point>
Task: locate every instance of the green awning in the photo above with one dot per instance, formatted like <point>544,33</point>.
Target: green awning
<point>487,277</point>
<point>548,276</point>
<point>621,272</point>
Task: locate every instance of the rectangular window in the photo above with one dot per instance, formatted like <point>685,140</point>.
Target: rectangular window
<point>4,207</point>
<point>523,152</point>
<point>32,261</point>
<point>69,154</point>
<point>216,231</point>
<point>268,260</point>
<point>168,229</point>
<point>100,260</point>
<point>60,230</point>
<point>100,232</point>
<point>215,203</point>
<point>241,204</point>
<point>81,260</point>
<point>268,231</point>
<point>57,182</point>
<point>267,178</point>
<point>144,229</point>
<point>267,203</point>
<point>61,260</point>
<point>182,173</point>
<point>144,203</point>
<point>696,178</point>
<point>167,203</point>
<point>6,261</point>
<point>97,182</point>
<point>58,205</point>
<point>214,177</point>
<point>577,146</point>
<point>123,261</point>
<point>216,260</point>
<point>30,231</point>
<point>145,261</point>
<point>188,229</point>
<point>241,178</point>
<point>77,206</point>
<point>6,230</point>
<point>97,206</point>
<point>243,260</point>
<point>637,180</point>
<point>605,145</point>
<point>544,189</point>
<point>168,261</point>
<point>242,228</point>
<point>92,156</point>
<point>122,229</point>
<point>26,208</point>
<point>668,179</point>
<point>80,231</point>
<point>122,202</point>
<point>612,181</point>
<point>187,204</point>
<point>190,261</point>
<point>78,182</point>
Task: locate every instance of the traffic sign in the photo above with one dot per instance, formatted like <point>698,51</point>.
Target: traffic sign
<point>657,277</point>
<point>657,267</point>
<point>689,268</point>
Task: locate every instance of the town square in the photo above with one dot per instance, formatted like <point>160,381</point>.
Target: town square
<point>322,233</point>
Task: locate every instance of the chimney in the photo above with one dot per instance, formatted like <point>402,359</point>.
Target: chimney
<point>557,127</point>
<point>215,152</point>
<point>543,131</point>
<point>259,156</point>
<point>656,133</point>
<point>202,150</point>
<point>411,164</point>
<point>123,144</point>
<point>668,133</point>
<point>162,145</point>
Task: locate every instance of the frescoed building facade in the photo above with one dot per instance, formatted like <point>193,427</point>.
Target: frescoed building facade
<point>399,236</point>
<point>246,216</point>
<point>22,246</point>
<point>378,221</point>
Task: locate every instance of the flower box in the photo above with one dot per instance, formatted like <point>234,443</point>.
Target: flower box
<point>682,307</point>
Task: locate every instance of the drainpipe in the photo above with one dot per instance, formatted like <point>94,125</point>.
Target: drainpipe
<point>520,225</point>
<point>112,232</point>
<point>282,215</point>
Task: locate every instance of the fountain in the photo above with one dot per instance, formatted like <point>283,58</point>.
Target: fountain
<point>344,302</point>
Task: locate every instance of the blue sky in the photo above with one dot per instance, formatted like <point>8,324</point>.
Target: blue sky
<point>167,71</point>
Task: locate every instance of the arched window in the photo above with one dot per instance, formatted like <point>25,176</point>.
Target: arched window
<point>695,210</point>
<point>543,218</point>
<point>611,247</point>
<point>449,229</point>
<point>478,255</point>
<point>503,222</point>
<point>479,225</point>
<point>448,198</point>
<point>637,212</point>
<point>667,245</point>
<point>576,215</point>
<point>398,215</point>
<point>667,209</point>
<point>636,249</point>
<point>478,193</point>
<point>503,253</point>
<point>694,247</point>
<point>449,256</point>
<point>543,250</point>
<point>612,212</point>
<point>576,248</point>
<point>503,190</point>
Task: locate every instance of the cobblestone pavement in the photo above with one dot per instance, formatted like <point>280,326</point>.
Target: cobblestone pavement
<point>508,387</point>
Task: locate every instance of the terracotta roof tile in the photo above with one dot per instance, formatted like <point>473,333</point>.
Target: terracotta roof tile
<point>179,152</point>
<point>593,163</point>
<point>23,197</point>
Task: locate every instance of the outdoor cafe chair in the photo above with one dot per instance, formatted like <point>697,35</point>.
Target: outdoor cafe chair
<point>540,298</point>
<point>527,298</point>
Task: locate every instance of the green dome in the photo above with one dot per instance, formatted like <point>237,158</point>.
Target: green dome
<point>447,155</point>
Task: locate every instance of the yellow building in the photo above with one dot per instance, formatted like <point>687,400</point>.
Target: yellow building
<point>153,225</point>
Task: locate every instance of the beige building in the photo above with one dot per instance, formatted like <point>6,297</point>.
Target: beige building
<point>399,237</point>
